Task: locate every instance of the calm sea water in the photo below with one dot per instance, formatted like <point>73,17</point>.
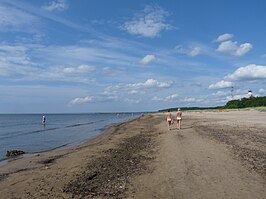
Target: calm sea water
<point>26,132</point>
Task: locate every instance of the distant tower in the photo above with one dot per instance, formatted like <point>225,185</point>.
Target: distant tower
<point>232,92</point>
<point>250,94</point>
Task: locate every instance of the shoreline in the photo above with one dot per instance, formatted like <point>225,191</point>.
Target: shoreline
<point>209,158</point>
<point>7,160</point>
<point>42,172</point>
<point>65,149</point>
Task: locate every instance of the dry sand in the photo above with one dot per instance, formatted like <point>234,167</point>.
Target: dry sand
<point>214,155</point>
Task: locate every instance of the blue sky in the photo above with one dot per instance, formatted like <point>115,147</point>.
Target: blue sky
<point>135,55</point>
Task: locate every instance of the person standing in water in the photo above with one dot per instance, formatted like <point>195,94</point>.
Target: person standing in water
<point>178,118</point>
<point>43,119</point>
<point>169,119</point>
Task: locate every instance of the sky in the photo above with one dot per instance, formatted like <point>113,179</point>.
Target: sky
<point>86,56</point>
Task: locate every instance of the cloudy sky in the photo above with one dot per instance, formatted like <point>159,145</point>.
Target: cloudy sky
<point>136,55</point>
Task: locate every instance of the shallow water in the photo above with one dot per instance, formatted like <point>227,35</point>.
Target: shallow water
<point>26,132</point>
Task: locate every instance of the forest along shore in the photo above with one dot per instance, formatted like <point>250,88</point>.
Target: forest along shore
<point>214,155</point>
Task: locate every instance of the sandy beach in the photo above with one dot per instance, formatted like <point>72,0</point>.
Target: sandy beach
<point>214,155</point>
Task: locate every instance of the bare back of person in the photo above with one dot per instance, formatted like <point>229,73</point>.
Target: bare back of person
<point>178,119</point>
<point>169,119</point>
<point>179,115</point>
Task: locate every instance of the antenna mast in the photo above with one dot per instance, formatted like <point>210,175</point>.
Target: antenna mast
<point>232,92</point>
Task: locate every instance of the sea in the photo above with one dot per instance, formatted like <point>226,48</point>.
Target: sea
<point>27,133</point>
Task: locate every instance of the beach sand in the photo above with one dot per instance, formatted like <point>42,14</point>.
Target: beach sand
<point>214,155</point>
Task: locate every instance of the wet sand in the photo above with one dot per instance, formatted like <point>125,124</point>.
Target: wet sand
<point>214,155</point>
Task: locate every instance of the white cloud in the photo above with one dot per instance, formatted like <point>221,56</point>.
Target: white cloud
<point>108,71</point>
<point>16,63</point>
<point>79,70</point>
<point>149,23</point>
<point>13,19</point>
<point>12,54</point>
<point>235,97</point>
<point>262,91</point>
<point>226,96</point>
<point>224,37</point>
<point>192,100</point>
<point>80,73</point>
<point>150,83</point>
<point>219,93</point>
<point>249,72</point>
<point>55,62</point>
<point>59,5</point>
<point>147,59</point>
<point>106,55</point>
<point>135,92</point>
<point>15,60</point>
<point>234,49</point>
<point>190,51</point>
<point>135,88</point>
<point>156,98</point>
<point>195,51</point>
<point>170,98</point>
<point>225,99</point>
<point>243,49</point>
<point>221,84</point>
<point>133,101</point>
<point>80,100</point>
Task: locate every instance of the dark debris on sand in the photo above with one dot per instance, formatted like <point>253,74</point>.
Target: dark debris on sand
<point>50,159</point>
<point>248,144</point>
<point>108,176</point>
<point>3,176</point>
<point>14,153</point>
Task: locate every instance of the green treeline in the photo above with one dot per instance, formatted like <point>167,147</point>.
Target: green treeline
<point>191,108</point>
<point>240,103</point>
<point>246,102</point>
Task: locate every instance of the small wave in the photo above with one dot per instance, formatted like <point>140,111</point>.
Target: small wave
<point>19,133</point>
<point>27,133</point>
<point>51,149</point>
<point>82,124</point>
<point>3,159</point>
<point>18,124</point>
<point>7,134</point>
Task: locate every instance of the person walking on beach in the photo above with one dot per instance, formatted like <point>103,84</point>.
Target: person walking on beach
<point>169,119</point>
<point>178,118</point>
